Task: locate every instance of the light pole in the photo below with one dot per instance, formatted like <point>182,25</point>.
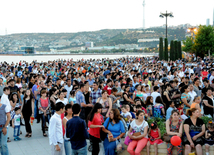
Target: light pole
<point>162,15</point>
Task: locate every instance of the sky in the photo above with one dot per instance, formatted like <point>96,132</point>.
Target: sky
<point>55,16</point>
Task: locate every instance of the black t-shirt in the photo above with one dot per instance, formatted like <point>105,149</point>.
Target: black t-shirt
<point>13,89</point>
<point>192,127</point>
<point>30,85</point>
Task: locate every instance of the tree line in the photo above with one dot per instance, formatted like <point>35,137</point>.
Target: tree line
<point>175,50</point>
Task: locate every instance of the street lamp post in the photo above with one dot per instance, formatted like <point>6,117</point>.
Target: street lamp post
<point>162,15</point>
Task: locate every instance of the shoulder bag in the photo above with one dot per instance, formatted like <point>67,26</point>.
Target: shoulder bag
<point>103,135</point>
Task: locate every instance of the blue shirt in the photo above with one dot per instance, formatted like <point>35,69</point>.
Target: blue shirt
<point>80,98</point>
<point>168,112</point>
<point>90,82</point>
<point>76,130</point>
<point>117,129</point>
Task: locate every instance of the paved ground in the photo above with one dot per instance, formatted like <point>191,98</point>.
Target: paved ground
<point>36,145</point>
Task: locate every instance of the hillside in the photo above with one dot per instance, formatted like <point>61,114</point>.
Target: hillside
<point>106,37</point>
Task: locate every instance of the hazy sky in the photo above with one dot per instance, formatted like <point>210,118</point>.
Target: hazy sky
<point>27,16</point>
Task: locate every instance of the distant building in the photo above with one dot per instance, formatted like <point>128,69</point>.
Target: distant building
<point>89,44</point>
<point>27,49</point>
<point>208,22</point>
<point>148,42</point>
<point>213,17</point>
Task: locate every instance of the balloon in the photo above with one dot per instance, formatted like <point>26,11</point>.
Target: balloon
<point>175,140</point>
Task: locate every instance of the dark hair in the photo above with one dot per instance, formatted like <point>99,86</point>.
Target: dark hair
<point>117,117</point>
<point>196,79</point>
<point>209,88</point>
<point>25,95</point>
<point>139,112</point>
<point>155,88</point>
<point>108,81</point>
<point>147,102</point>
<point>137,86</point>
<point>94,110</point>
<point>138,106</point>
<point>59,106</point>
<point>175,111</point>
<point>76,109</point>
<point>96,83</point>
<point>68,106</point>
<point>190,111</point>
<point>154,125</point>
<point>43,92</point>
<point>11,97</point>
<point>103,91</point>
<point>6,88</point>
<point>114,89</point>
<point>126,87</point>
<point>183,88</point>
<point>16,108</point>
<point>159,100</point>
<point>82,85</point>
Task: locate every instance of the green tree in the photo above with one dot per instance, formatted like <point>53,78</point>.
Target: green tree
<point>176,49</point>
<point>172,53</point>
<point>179,50</point>
<point>161,55</point>
<point>166,50</point>
<point>188,44</point>
<point>204,40</point>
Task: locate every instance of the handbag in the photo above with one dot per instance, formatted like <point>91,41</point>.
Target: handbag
<point>127,139</point>
<point>103,135</point>
<point>166,137</point>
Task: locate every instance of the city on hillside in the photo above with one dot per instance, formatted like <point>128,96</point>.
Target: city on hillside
<point>108,39</point>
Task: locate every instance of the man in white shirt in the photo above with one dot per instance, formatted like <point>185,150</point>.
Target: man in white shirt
<point>55,130</point>
<point>155,94</point>
<point>211,77</point>
<point>4,98</point>
<point>68,87</point>
<point>192,93</point>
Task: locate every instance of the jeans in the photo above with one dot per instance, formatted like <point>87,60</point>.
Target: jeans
<point>35,108</point>
<point>3,143</point>
<point>16,132</point>
<point>44,118</point>
<point>82,151</point>
<point>67,145</point>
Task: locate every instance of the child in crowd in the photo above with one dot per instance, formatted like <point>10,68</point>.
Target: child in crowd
<point>154,137</point>
<point>16,121</point>
<point>128,109</point>
<point>138,101</point>
<point>169,110</point>
<point>209,136</point>
<point>181,111</point>
<point>196,103</point>
<point>159,110</point>
<point>126,115</point>
<point>72,98</point>
<point>22,92</point>
<point>139,107</point>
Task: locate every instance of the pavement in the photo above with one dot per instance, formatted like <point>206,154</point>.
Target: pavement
<point>36,145</point>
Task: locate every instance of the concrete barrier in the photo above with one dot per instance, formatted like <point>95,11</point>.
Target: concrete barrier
<point>162,150</point>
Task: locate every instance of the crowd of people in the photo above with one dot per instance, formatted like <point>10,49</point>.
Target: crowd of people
<point>109,100</point>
